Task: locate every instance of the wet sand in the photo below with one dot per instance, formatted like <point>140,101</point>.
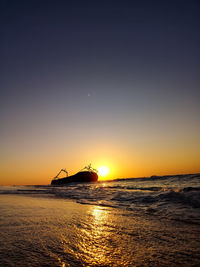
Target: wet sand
<point>45,231</point>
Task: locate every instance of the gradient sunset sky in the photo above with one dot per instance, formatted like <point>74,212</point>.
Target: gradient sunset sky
<point>112,83</point>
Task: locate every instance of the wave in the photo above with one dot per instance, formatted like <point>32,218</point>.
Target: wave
<point>117,194</point>
<point>191,197</point>
<point>171,202</point>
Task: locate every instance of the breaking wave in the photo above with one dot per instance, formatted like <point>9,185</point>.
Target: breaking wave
<point>174,197</point>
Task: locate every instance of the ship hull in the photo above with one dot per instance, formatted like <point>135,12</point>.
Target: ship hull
<point>80,177</point>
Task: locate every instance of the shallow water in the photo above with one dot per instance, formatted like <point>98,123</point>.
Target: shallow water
<point>167,197</point>
<point>37,231</point>
<point>145,222</point>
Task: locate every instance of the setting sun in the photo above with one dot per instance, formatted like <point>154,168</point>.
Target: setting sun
<point>103,171</point>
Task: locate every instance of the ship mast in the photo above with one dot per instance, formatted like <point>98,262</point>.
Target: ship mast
<point>62,170</point>
<point>89,168</point>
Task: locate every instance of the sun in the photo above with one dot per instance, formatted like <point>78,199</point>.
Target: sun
<point>103,171</point>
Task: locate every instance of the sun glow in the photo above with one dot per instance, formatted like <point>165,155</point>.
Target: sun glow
<point>103,171</point>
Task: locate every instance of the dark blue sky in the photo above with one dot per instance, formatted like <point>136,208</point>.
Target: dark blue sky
<point>117,42</point>
<point>120,68</point>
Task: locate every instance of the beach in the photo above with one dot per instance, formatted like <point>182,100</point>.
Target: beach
<point>41,230</point>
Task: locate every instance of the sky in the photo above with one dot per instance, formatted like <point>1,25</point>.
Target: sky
<point>112,83</point>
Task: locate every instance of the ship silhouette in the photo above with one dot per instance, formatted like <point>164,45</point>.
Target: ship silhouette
<point>86,175</point>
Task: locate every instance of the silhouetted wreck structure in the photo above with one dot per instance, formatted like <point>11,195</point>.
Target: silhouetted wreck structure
<point>87,174</point>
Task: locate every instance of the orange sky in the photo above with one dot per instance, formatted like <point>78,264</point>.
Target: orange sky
<point>111,86</point>
<point>29,163</point>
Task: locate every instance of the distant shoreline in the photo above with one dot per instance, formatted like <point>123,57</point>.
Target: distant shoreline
<point>155,176</point>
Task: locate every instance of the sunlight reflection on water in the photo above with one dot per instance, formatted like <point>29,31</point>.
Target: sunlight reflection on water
<point>53,232</point>
<point>94,236</point>
<point>94,242</point>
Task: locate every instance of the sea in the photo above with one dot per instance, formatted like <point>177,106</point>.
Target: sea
<point>150,221</point>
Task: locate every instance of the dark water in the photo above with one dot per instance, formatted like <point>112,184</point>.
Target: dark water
<point>134,222</point>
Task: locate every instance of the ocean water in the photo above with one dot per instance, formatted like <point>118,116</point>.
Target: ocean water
<point>131,222</point>
<point>172,197</point>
